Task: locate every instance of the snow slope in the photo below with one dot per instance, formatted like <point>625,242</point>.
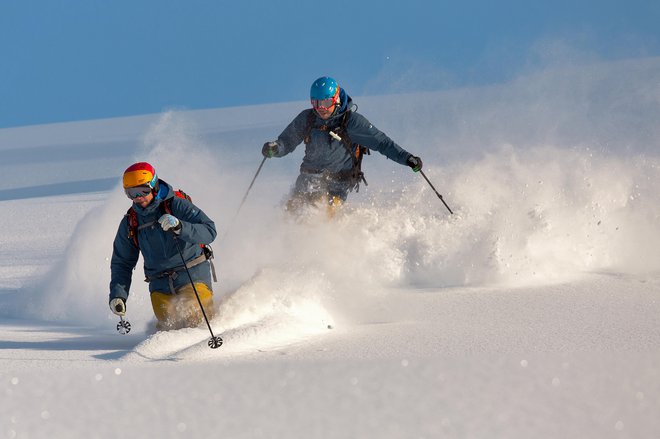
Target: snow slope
<point>531,312</point>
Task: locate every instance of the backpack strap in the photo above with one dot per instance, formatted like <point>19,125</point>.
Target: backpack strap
<point>166,207</point>
<point>355,150</point>
<point>341,134</point>
<point>307,132</point>
<point>131,217</point>
<point>134,226</point>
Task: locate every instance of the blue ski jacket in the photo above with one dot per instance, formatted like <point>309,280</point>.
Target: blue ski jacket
<point>158,248</point>
<point>326,154</point>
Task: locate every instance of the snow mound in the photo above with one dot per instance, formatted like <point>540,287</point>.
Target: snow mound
<point>257,317</point>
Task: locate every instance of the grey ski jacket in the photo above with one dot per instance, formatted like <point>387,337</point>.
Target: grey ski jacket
<point>324,153</point>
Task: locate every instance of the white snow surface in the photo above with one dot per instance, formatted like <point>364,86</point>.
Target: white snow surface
<point>531,312</point>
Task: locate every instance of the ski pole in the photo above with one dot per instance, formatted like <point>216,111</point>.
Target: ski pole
<point>214,342</point>
<point>250,187</point>
<point>436,192</point>
<point>230,224</point>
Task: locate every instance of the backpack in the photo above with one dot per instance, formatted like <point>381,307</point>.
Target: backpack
<point>356,151</point>
<point>165,207</point>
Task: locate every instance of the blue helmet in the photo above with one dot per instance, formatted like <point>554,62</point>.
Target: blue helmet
<point>324,88</point>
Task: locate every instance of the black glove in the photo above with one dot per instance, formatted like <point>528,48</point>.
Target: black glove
<point>269,150</point>
<point>414,162</point>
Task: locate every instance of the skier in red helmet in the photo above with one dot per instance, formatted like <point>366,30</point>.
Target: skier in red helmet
<point>157,218</point>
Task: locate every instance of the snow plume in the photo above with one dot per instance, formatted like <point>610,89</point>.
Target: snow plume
<point>76,288</point>
<point>536,216</point>
<point>545,215</point>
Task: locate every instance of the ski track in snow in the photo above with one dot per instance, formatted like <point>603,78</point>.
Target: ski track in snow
<point>240,336</point>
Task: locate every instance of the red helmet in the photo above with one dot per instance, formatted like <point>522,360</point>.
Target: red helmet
<point>140,174</point>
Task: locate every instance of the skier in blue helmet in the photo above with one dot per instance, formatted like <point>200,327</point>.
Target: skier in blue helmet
<point>336,137</point>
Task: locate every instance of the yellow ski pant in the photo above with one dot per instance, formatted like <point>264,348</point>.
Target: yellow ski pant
<point>181,310</point>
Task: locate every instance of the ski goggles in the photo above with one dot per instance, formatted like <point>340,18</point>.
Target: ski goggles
<point>324,104</point>
<point>137,191</point>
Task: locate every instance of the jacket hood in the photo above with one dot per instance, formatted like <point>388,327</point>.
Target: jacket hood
<point>346,103</point>
<point>345,100</point>
<point>165,191</point>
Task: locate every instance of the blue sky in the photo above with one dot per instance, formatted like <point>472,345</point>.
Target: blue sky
<point>85,59</point>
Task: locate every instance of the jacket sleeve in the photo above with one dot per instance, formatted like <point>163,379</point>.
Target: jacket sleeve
<point>124,258</point>
<point>366,134</point>
<point>196,226</point>
<point>293,135</point>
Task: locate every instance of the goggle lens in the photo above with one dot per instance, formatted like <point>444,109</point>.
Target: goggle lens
<point>137,191</point>
<point>325,103</point>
